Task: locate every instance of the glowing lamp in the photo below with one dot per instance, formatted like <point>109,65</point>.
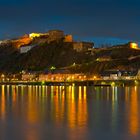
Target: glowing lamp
<point>43,82</point>
<point>113,84</point>
<point>94,77</point>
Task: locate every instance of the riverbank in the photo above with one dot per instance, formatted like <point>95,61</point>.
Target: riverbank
<point>78,83</point>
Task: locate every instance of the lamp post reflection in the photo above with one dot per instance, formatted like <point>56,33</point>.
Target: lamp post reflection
<point>3,106</point>
<point>133,114</point>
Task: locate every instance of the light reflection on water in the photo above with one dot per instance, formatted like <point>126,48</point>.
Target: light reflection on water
<point>69,112</point>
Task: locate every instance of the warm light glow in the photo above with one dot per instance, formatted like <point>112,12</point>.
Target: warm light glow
<point>134,45</point>
<point>43,82</point>
<point>77,117</point>
<point>33,35</point>
<point>23,41</point>
<point>53,68</point>
<point>2,111</point>
<point>32,114</point>
<point>136,82</point>
<point>134,119</point>
<point>113,84</point>
<point>94,77</point>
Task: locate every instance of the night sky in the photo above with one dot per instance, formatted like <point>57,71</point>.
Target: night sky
<point>82,18</point>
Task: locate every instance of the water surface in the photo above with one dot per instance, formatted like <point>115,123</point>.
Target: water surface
<point>69,113</point>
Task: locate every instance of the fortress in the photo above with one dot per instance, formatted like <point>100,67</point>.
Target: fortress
<point>54,35</point>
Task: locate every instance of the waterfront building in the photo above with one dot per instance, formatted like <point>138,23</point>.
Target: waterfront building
<point>58,77</point>
<point>119,74</point>
<point>29,77</point>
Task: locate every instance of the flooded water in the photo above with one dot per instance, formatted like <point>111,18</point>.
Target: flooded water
<point>69,113</point>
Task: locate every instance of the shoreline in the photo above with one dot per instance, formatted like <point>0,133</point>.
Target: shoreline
<point>76,83</point>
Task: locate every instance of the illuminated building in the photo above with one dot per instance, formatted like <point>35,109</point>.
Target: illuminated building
<point>61,77</point>
<point>68,38</point>
<point>24,40</point>
<point>52,35</point>
<point>133,45</point>
<point>117,74</point>
<point>28,76</point>
<point>35,35</point>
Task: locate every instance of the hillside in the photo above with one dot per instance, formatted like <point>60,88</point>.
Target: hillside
<point>58,54</point>
<point>61,55</point>
<point>110,58</point>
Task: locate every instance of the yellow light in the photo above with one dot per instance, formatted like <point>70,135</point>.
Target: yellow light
<point>136,82</point>
<point>33,35</point>
<point>113,84</point>
<point>134,45</point>
<point>2,75</point>
<point>43,82</point>
<point>68,78</point>
<point>94,77</point>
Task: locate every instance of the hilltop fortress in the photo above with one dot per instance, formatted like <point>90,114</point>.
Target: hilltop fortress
<point>41,51</point>
<point>54,35</point>
<point>27,42</point>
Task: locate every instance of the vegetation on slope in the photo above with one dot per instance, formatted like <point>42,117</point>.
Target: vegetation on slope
<point>61,55</point>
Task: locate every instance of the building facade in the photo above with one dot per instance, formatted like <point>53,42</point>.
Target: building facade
<point>82,46</point>
<point>61,77</point>
<point>55,35</point>
<point>68,38</point>
<point>29,77</point>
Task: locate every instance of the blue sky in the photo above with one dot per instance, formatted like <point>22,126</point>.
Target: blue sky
<point>82,18</point>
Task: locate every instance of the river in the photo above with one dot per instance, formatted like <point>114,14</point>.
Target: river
<point>69,113</point>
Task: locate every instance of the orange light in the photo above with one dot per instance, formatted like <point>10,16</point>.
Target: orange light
<point>94,77</point>
<point>134,45</point>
